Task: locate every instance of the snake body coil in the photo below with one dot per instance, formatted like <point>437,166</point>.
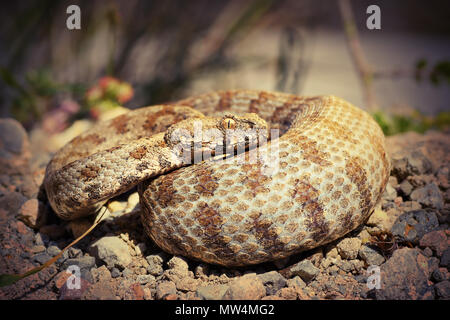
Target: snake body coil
<point>331,169</point>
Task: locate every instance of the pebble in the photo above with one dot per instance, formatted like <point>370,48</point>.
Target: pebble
<point>389,193</point>
<point>305,270</point>
<point>85,262</point>
<point>273,281</point>
<point>443,290</point>
<point>384,220</point>
<point>187,284</point>
<point>411,226</point>
<point>435,240</point>
<point>133,201</point>
<point>247,287</point>
<point>445,259</point>
<point>30,210</point>
<point>212,292</point>
<point>41,258</point>
<point>406,188</point>
<point>296,282</point>
<point>145,278</point>
<point>53,250</point>
<point>155,263</point>
<point>127,273</point>
<point>115,273</point>
<point>112,251</point>
<point>37,249</point>
<point>115,206</point>
<point>429,196</point>
<point>165,288</point>
<point>14,147</point>
<point>348,248</point>
<point>370,256</point>
<point>440,274</point>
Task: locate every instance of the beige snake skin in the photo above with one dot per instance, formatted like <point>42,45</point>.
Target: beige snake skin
<point>331,169</point>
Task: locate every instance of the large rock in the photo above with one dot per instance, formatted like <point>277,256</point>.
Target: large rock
<point>405,276</point>
<point>112,250</point>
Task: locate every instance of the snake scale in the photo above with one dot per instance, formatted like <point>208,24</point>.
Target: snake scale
<point>331,169</point>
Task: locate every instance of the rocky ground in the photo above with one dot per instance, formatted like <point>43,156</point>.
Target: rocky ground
<point>405,242</point>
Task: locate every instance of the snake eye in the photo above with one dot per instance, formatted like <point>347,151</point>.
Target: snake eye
<point>228,123</point>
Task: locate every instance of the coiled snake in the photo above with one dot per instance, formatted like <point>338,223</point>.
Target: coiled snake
<point>318,181</point>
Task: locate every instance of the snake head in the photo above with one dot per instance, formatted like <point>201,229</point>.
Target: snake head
<point>216,135</point>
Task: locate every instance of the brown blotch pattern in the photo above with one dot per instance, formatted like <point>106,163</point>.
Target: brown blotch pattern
<point>357,175</point>
<point>310,151</point>
<point>89,172</point>
<point>139,152</point>
<point>120,123</point>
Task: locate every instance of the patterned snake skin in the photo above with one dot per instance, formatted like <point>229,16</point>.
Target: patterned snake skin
<point>318,181</point>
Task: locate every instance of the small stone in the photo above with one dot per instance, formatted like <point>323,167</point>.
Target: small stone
<point>100,274</point>
<point>429,196</point>
<point>410,163</point>
<point>30,212</point>
<point>287,293</point>
<point>74,252</point>
<point>370,256</point>
<point>384,219</point>
<point>445,259</point>
<point>406,188</point>
<point>443,290</point>
<point>145,278</point>
<point>37,249</point>
<point>389,193</point>
<point>411,226</point>
<point>305,270</point>
<point>296,282</point>
<point>53,250</point>
<point>212,292</point>
<point>273,281</point>
<point>154,264</point>
<point>187,284</point>
<point>440,274</point>
<point>14,147</point>
<point>127,273</point>
<point>41,258</point>
<point>115,273</point>
<point>115,206</point>
<point>436,240</point>
<point>22,228</point>
<point>247,287</point>
<point>111,250</point>
<point>85,262</point>
<point>164,289</point>
<point>427,252</point>
<point>348,248</point>
<point>40,239</point>
<point>133,201</point>
<point>53,231</point>
<point>178,268</point>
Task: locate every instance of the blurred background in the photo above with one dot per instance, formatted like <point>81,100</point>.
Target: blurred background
<point>137,53</point>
